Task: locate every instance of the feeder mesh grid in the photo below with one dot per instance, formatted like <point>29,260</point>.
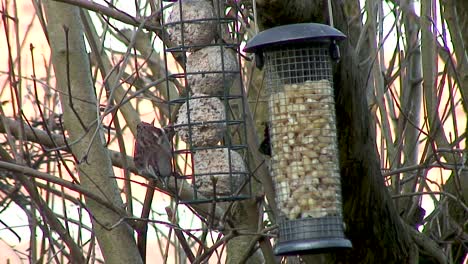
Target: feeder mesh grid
<point>210,117</point>
<point>310,228</point>
<point>303,138</point>
<point>290,65</point>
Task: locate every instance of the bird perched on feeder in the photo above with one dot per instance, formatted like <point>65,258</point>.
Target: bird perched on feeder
<point>152,152</point>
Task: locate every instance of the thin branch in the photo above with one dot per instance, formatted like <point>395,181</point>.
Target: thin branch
<point>210,251</point>
<point>142,227</point>
<point>114,13</point>
<point>76,255</point>
<point>451,196</point>
<point>180,236</point>
<point>70,97</point>
<point>428,245</point>
<point>47,177</point>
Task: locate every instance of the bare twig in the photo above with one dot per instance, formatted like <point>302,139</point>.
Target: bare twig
<point>180,236</point>
<point>70,97</point>
<point>451,196</point>
<point>142,227</point>
<point>210,251</point>
<point>112,12</point>
<point>53,179</point>
<point>428,245</point>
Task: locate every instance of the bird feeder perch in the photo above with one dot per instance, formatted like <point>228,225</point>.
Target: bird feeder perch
<point>304,164</point>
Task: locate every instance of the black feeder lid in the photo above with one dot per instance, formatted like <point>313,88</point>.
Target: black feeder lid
<point>294,33</point>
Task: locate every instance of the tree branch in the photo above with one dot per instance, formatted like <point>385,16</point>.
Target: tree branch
<point>69,185</point>
<point>427,245</point>
<point>113,13</point>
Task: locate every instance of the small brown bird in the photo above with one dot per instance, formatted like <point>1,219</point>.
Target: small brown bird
<point>152,152</point>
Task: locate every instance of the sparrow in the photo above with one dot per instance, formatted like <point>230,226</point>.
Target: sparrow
<point>152,152</point>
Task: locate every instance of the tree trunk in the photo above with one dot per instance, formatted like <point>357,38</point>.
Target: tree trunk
<point>78,100</point>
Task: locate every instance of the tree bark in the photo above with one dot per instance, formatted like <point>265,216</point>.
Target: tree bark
<point>79,104</point>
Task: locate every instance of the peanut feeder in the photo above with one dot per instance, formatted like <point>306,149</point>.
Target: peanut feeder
<point>304,164</point>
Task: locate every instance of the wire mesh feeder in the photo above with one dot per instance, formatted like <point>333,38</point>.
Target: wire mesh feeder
<point>303,139</point>
<point>209,115</point>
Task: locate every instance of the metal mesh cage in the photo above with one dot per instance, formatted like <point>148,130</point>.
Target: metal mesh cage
<point>208,113</point>
<point>304,148</point>
<point>290,65</point>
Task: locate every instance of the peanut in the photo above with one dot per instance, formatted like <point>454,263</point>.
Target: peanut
<point>304,146</point>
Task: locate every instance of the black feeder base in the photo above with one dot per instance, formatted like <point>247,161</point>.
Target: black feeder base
<point>312,246</point>
<point>311,236</point>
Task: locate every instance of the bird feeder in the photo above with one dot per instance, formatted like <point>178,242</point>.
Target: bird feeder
<point>304,163</point>
<point>208,113</point>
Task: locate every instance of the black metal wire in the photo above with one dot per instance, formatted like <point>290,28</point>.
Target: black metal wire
<point>303,73</point>
<point>234,122</point>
